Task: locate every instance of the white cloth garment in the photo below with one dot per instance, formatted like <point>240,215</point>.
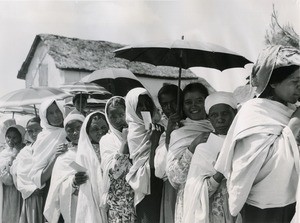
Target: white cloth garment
<point>260,157</point>
<point>196,195</point>
<point>220,97</point>
<point>90,193</point>
<point>46,143</point>
<point>139,146</point>
<point>60,199</point>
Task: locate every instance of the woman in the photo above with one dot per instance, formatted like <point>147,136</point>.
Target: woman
<point>88,156</point>
<point>10,197</point>
<point>205,193</point>
<point>260,157</point>
<point>32,208</point>
<point>45,150</point>
<point>62,196</point>
<point>115,164</point>
<point>142,144</point>
<point>184,140</point>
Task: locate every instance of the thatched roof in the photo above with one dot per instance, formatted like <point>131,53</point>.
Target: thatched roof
<point>91,55</point>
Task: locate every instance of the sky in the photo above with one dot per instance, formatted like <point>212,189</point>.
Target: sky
<point>239,25</point>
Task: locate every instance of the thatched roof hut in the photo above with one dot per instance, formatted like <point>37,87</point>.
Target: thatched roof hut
<point>90,55</point>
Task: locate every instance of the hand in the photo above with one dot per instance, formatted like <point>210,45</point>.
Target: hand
<point>80,178</point>
<point>202,138</point>
<point>172,122</point>
<point>5,177</point>
<point>61,149</point>
<point>156,131</point>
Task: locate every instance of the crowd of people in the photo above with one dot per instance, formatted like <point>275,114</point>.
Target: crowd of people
<point>213,160</point>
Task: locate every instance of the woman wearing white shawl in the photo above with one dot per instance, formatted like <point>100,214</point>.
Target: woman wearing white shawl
<point>32,208</point>
<point>118,195</point>
<point>142,144</point>
<point>62,197</point>
<point>260,157</point>
<point>45,147</point>
<point>88,155</point>
<point>205,194</point>
<point>10,198</point>
<point>195,130</point>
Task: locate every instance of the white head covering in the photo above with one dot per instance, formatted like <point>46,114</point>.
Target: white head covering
<point>220,97</point>
<point>73,117</point>
<point>269,59</point>
<point>20,129</point>
<point>139,146</point>
<point>47,141</point>
<point>90,193</point>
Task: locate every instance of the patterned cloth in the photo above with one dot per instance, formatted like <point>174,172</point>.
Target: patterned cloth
<point>120,195</point>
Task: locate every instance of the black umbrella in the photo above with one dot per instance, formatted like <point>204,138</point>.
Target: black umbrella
<point>183,54</point>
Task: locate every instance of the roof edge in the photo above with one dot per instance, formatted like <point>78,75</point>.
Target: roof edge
<point>24,68</point>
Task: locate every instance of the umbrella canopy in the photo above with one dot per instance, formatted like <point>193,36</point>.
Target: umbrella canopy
<point>23,110</point>
<point>116,80</point>
<point>85,88</point>
<point>31,96</point>
<point>183,54</point>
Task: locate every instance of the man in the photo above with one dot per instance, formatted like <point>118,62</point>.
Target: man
<point>80,103</point>
<point>205,197</point>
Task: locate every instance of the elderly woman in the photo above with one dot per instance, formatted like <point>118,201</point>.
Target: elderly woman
<point>205,193</point>
<point>88,155</point>
<point>32,208</point>
<point>142,144</point>
<point>260,157</point>
<point>10,197</point>
<point>62,196</point>
<point>184,140</point>
<point>115,164</point>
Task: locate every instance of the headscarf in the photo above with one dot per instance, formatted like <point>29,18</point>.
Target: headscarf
<point>20,129</point>
<point>271,58</point>
<point>90,193</point>
<point>47,141</point>
<point>4,126</point>
<point>220,97</point>
<point>110,145</point>
<point>139,146</point>
<point>73,117</point>
<point>59,199</point>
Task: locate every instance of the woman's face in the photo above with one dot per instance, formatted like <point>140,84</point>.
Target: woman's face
<point>73,130</point>
<point>116,116</point>
<point>288,91</point>
<point>168,104</point>
<point>193,105</point>
<point>33,129</point>
<point>98,128</point>
<point>54,115</point>
<point>13,138</point>
<point>145,103</point>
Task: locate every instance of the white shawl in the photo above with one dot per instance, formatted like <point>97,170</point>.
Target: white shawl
<point>21,167</point>
<point>59,199</point>
<point>260,151</point>
<point>89,196</point>
<point>181,138</point>
<point>139,147</point>
<point>110,145</point>
<point>45,145</point>
<point>196,198</point>
<point>6,157</point>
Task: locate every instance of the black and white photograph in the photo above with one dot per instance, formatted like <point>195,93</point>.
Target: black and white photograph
<point>150,111</point>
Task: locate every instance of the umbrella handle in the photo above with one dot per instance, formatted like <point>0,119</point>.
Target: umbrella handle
<point>178,93</point>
